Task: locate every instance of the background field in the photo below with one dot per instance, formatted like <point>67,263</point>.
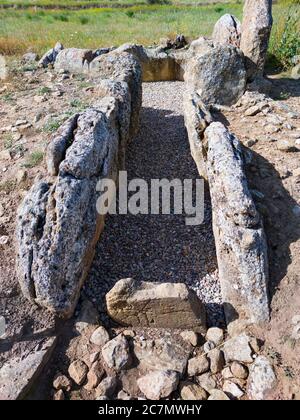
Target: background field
<point>38,29</point>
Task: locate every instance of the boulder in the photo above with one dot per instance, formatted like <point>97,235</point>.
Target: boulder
<point>19,374</point>
<point>218,76</point>
<point>74,60</point>
<point>198,365</point>
<point>50,56</point>
<point>227,30</point>
<point>256,30</point>
<point>162,354</point>
<point>122,67</point>
<point>215,335</point>
<point>191,391</point>
<point>116,353</point>
<point>78,371</point>
<point>106,388</point>
<point>99,337</point>
<point>159,384</point>
<point>239,234</point>
<point>217,395</point>
<point>158,305</point>
<point>62,382</point>
<point>196,119</point>
<point>238,349</point>
<point>232,389</point>
<point>261,379</point>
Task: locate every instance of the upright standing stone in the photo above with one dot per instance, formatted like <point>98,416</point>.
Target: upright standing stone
<point>256,29</point>
<point>227,30</point>
<point>3,68</point>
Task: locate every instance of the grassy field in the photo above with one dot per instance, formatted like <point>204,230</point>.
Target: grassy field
<point>38,30</point>
<point>109,3</point>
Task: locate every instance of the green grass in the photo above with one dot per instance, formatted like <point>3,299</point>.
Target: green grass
<point>38,30</point>
<point>34,159</point>
<point>21,30</point>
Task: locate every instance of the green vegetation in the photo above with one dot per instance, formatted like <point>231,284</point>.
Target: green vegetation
<point>285,41</point>
<point>52,125</point>
<point>8,141</point>
<point>34,159</point>
<point>39,29</point>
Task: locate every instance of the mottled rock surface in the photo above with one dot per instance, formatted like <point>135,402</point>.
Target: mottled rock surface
<point>219,76</point>
<point>256,30</point>
<point>160,305</point>
<point>262,378</point>
<point>227,30</point>
<point>240,239</point>
<point>18,375</point>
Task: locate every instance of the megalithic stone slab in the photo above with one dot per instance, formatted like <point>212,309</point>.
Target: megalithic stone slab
<point>158,305</point>
<point>239,235</point>
<point>256,30</point>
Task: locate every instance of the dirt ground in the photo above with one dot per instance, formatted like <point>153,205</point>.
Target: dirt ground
<point>44,99</point>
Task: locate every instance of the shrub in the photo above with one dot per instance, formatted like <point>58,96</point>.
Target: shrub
<point>83,20</point>
<point>285,39</point>
<point>34,159</point>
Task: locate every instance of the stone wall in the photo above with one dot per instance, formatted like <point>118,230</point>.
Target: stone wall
<point>58,225</point>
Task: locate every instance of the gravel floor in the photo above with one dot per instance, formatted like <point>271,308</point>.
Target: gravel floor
<point>159,247</point>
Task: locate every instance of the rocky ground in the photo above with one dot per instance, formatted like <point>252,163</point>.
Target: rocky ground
<point>31,106</point>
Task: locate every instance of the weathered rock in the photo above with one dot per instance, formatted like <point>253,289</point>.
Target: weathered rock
<point>156,65</point>
<point>217,362</point>
<point>59,395</point>
<point>62,382</point>
<point>219,76</point>
<point>122,67</point>
<point>116,353</point>
<point>215,335</point>
<point>196,118</point>
<point>159,384</point>
<point>87,149</point>
<point>238,349</point>
<point>30,58</point>
<point>17,376</point>
<point>190,337</point>
<point>74,60</point>
<point>94,376</point>
<point>198,365</point>
<point>78,371</point>
<point>286,145</point>
<point>226,373</point>
<point>50,56</point>
<point>201,46</point>
<point>239,370</point>
<point>3,68</point>
<point>99,337</point>
<point>227,30</point>
<point>161,354</point>
<point>256,30</point>
<point>208,346</point>
<point>295,73</point>
<point>191,391</point>
<point>238,230</point>
<point>122,395</point>
<point>206,381</point>
<point>88,316</point>
<point>217,395</point>
<point>262,379</point>
<point>2,327</point>
<point>107,387</point>
<point>232,389</point>
<point>160,305</point>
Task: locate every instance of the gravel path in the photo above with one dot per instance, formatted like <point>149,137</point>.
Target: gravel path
<point>158,247</point>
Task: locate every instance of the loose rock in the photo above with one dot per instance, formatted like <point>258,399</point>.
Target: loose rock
<point>191,391</point>
<point>198,365</point>
<point>62,382</point>
<point>78,371</point>
<point>157,385</point>
<point>215,335</point>
<point>99,337</point>
<point>116,353</point>
<point>262,378</point>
